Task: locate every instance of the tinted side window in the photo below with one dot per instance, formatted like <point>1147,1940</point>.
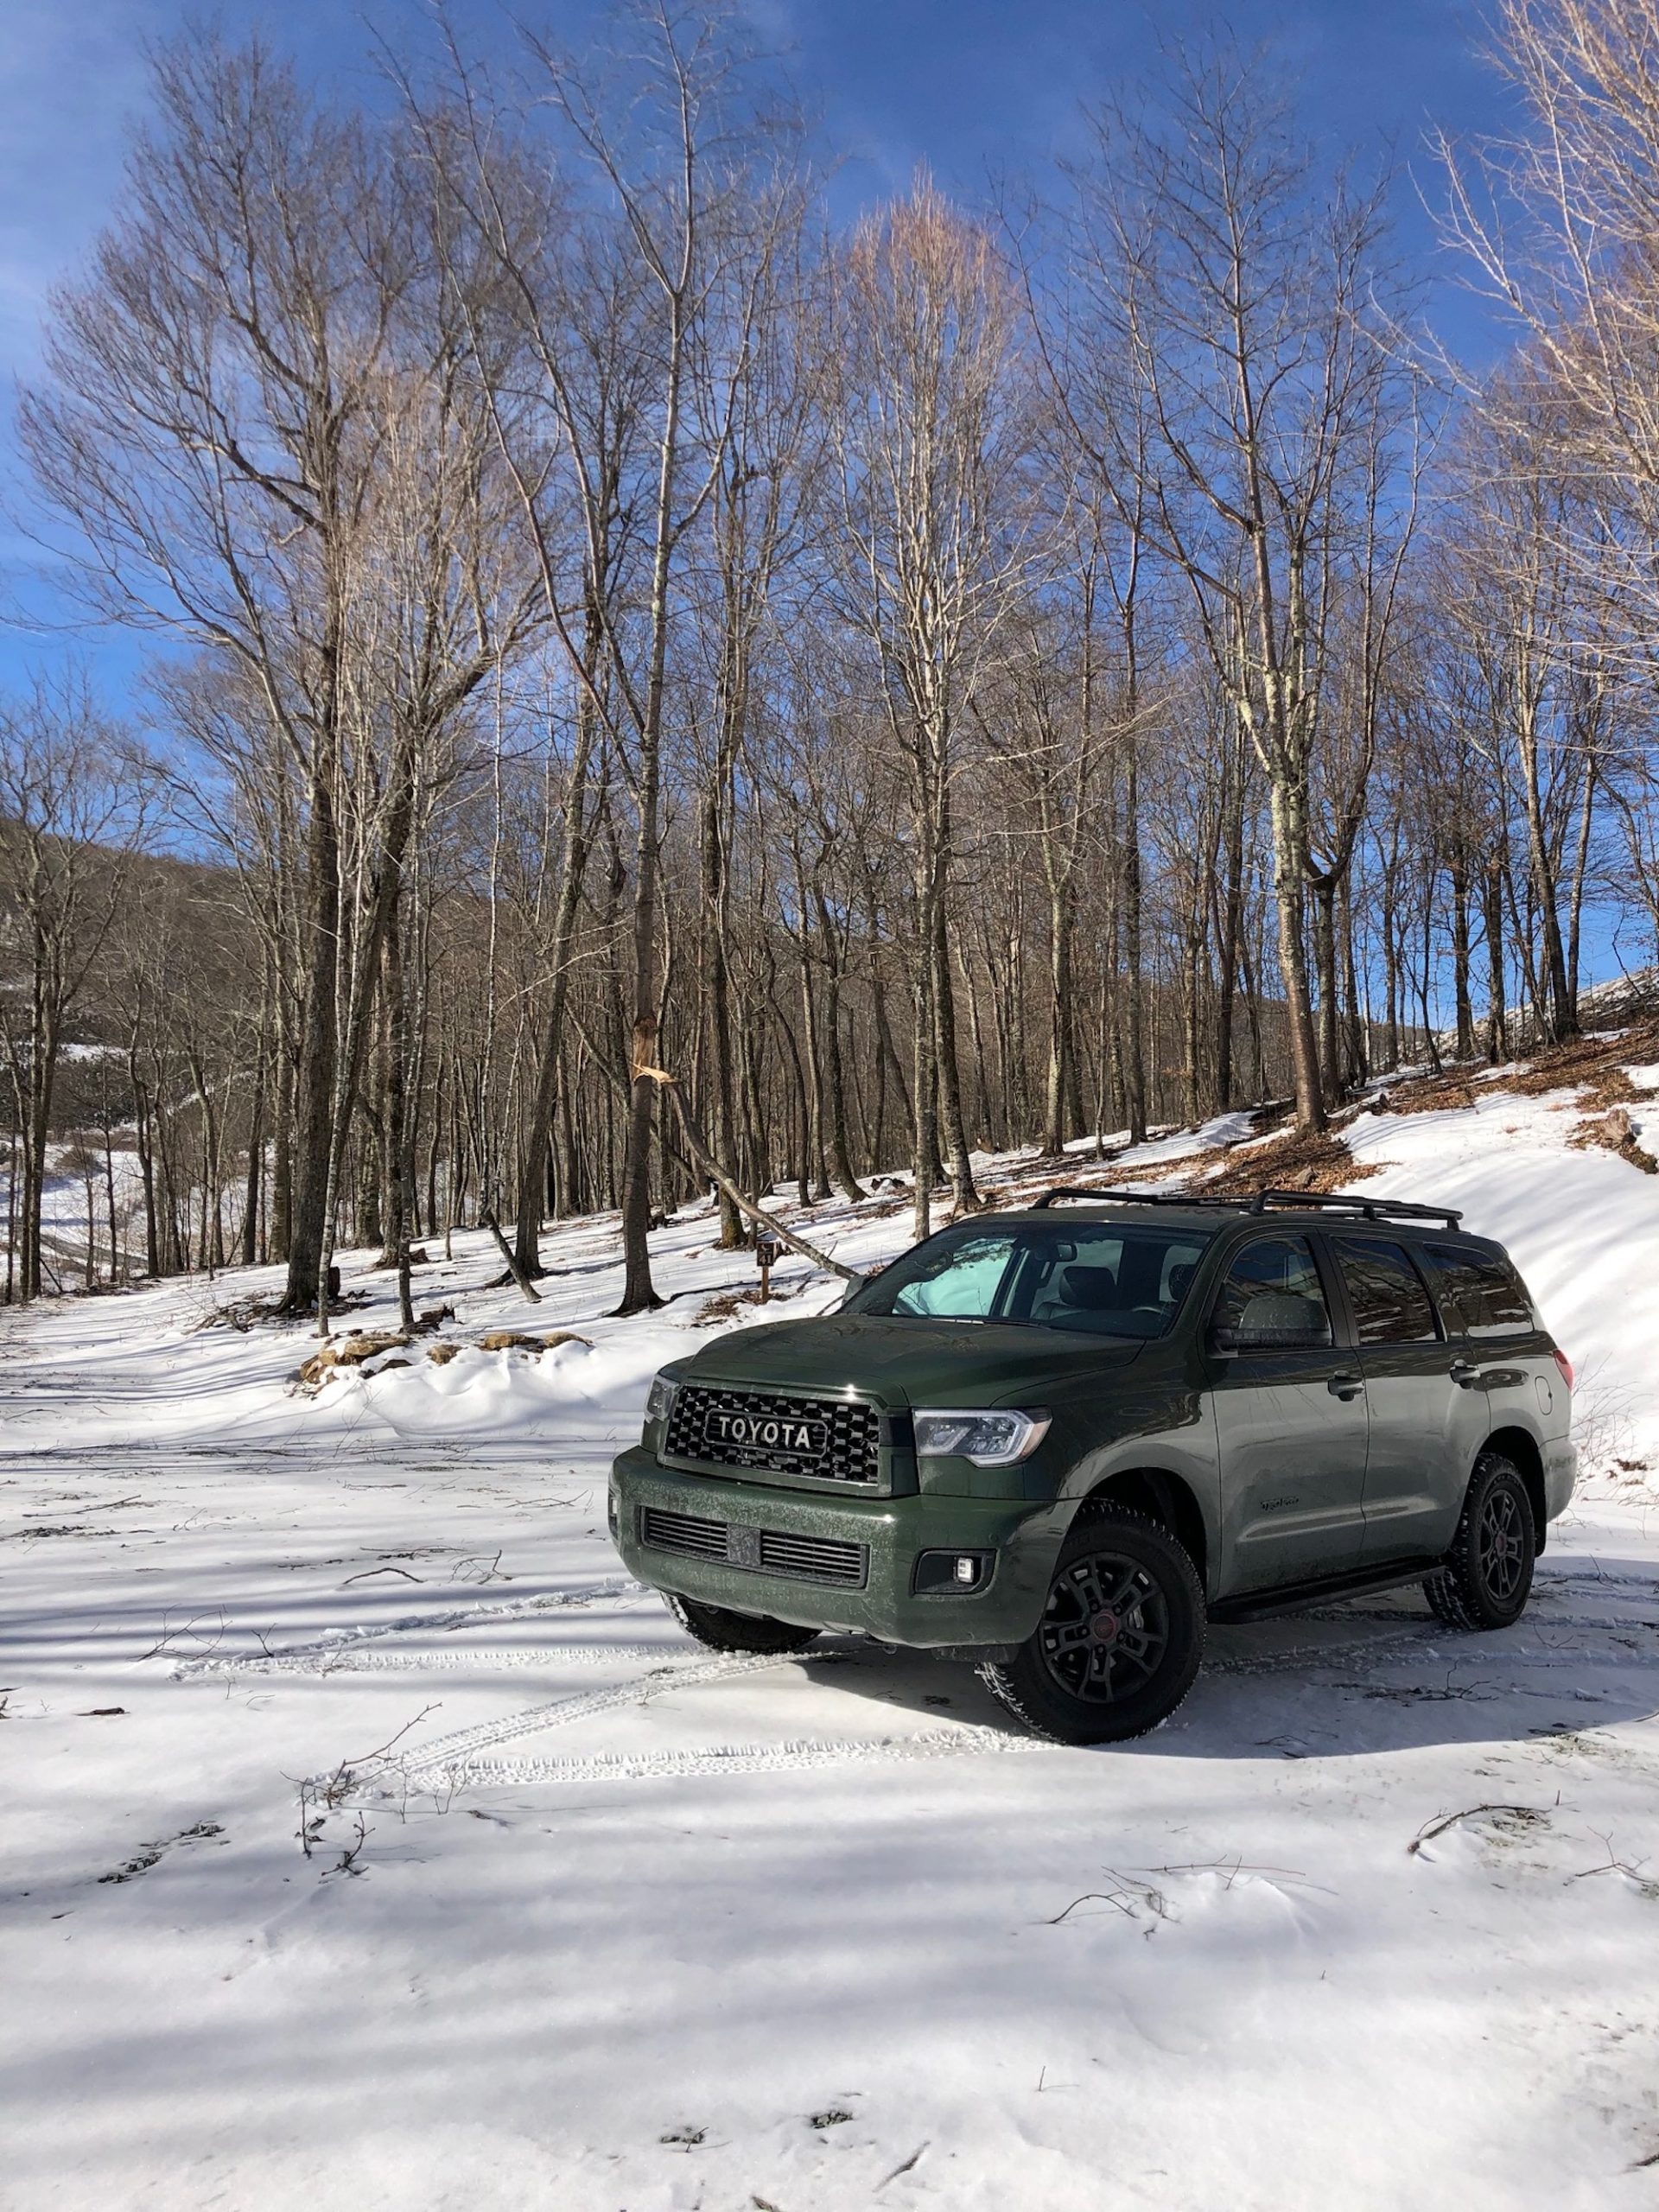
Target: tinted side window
<point>1386,1292</point>
<point>1486,1296</point>
<point>1273,1289</point>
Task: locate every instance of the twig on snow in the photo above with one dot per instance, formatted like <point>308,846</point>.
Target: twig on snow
<point>186,1627</point>
<point>1095,1896</point>
<point>912,2160</point>
<point>329,1792</point>
<point>1469,1813</point>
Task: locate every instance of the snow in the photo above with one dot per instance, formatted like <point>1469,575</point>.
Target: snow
<point>1583,1228</point>
<point>63,1210</point>
<point>633,1928</point>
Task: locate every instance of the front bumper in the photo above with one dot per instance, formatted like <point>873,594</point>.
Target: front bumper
<point>1024,1539</point>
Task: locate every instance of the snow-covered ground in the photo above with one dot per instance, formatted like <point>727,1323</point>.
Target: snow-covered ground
<point>594,1921</point>
<point>63,1209</point>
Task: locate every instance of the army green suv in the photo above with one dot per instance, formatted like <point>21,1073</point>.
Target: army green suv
<point>1054,1442</point>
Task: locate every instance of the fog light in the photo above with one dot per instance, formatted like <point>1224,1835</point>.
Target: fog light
<point>952,1574</point>
<point>611,1513</point>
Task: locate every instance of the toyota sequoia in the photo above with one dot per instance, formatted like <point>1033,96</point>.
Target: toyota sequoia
<point>1055,1442</point>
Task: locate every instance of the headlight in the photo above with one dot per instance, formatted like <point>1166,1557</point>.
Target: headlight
<point>660,1403</point>
<point>989,1439</point>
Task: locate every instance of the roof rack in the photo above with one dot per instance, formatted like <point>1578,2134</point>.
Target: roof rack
<point>1258,1202</point>
<point>1368,1209</point>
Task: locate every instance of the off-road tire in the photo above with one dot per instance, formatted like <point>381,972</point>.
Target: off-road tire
<point>724,1631</point>
<point>1160,1607</point>
<point>1487,1577</point>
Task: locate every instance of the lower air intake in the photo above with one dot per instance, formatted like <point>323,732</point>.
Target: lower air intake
<point>759,1551</point>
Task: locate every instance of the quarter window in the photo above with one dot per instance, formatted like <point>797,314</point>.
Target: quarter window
<point>1484,1297</point>
<point>1391,1305</point>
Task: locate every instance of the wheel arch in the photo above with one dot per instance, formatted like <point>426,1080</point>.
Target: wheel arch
<point>1521,1446</point>
<point>1165,1496</point>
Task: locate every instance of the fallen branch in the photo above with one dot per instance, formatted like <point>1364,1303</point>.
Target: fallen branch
<point>697,1145</point>
<point>506,1252</point>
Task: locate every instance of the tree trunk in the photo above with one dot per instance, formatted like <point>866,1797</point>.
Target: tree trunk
<point>1289,875</point>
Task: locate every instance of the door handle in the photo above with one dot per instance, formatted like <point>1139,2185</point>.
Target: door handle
<point>1346,1386</point>
<point>1465,1373</point>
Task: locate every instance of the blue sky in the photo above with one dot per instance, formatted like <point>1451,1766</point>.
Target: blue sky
<point>973,88</point>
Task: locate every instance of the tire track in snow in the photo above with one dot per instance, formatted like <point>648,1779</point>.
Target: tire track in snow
<point>1299,1654</point>
<point>345,1639</point>
<point>486,1662</point>
<point>454,1752</point>
<point>1443,1643</point>
<point>736,1758</point>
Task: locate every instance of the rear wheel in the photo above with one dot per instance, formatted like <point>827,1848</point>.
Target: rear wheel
<point>724,1631</point>
<point>1120,1640</point>
<point>1487,1577</point>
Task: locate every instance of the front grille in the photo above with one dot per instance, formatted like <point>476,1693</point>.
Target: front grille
<point>761,1551</point>
<point>833,1440</point>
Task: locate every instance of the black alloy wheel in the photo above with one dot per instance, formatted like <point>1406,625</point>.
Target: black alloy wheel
<point>1121,1637</point>
<point>1487,1576</point>
<point>1105,1628</point>
<point>1503,1544</point>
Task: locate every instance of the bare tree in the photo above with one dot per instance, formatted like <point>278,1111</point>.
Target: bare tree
<point>1234,304</point>
<point>931,441</point>
<point>206,435</point>
<point>76,801</point>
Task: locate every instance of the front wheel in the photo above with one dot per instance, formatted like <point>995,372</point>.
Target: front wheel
<point>1487,1577</point>
<point>724,1631</point>
<point>1120,1640</point>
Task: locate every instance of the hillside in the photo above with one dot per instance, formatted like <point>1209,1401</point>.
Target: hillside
<point>372,1839</point>
<point>1524,1152</point>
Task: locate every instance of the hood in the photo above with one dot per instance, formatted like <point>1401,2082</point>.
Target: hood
<point>909,1363</point>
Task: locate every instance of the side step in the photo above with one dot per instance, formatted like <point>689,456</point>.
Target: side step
<point>1264,1604</point>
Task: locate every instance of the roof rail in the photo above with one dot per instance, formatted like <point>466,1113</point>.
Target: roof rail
<point>1368,1209</point>
<point>1115,1198</point>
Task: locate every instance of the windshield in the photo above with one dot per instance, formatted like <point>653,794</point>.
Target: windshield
<point>1094,1278</point>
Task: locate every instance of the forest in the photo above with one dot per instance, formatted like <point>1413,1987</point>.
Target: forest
<point>650,691</point>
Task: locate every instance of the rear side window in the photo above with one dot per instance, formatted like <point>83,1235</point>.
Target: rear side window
<point>1483,1296</point>
<point>1273,1292</point>
<point>1386,1292</point>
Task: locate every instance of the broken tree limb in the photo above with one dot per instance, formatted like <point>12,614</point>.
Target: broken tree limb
<point>697,1147</point>
<point>506,1252</point>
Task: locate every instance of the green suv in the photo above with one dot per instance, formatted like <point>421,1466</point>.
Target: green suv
<point>1054,1442</point>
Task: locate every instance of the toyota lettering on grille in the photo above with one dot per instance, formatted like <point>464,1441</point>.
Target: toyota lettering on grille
<point>767,1432</point>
